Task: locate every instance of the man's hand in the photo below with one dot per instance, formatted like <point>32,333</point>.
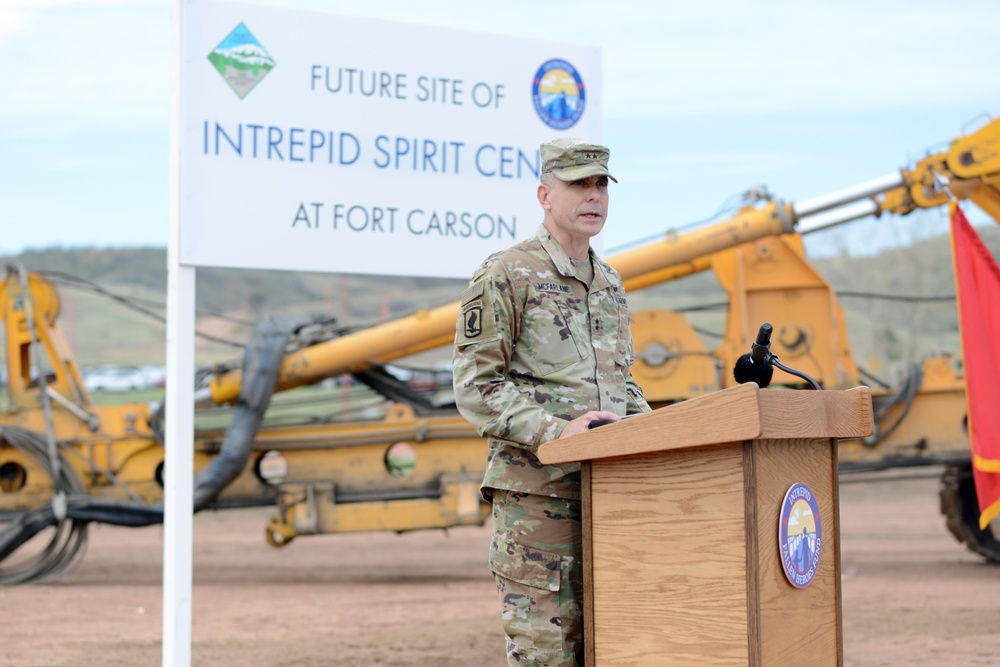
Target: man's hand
<point>582,423</point>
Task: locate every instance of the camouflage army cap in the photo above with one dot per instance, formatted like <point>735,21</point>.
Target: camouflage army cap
<point>575,159</point>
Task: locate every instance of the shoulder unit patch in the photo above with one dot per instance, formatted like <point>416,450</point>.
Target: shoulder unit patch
<point>476,321</point>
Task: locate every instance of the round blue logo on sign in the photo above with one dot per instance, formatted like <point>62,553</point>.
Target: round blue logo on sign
<point>800,535</point>
<point>558,94</point>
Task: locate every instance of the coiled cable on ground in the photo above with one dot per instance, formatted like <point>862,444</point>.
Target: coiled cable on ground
<point>260,370</point>
<point>70,536</point>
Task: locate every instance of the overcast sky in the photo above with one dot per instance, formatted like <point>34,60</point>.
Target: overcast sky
<point>703,100</point>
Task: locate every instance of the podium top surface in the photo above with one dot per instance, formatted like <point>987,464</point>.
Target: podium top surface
<point>740,413</point>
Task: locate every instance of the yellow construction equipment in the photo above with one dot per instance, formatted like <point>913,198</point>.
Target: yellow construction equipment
<point>65,462</point>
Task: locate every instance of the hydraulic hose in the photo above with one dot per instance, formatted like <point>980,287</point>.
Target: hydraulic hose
<point>260,370</point>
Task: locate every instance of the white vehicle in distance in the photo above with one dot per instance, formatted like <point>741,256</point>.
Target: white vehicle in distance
<point>123,378</point>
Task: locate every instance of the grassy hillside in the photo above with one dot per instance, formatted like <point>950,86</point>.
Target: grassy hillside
<point>884,333</point>
<point>228,303</point>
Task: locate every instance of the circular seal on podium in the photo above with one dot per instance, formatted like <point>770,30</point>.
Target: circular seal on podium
<point>800,535</point>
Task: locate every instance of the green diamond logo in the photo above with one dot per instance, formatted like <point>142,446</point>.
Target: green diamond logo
<point>241,60</point>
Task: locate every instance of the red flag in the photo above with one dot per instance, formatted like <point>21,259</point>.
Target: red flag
<point>977,281</point>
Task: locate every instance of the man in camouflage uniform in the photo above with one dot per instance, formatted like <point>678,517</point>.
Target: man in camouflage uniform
<point>542,349</point>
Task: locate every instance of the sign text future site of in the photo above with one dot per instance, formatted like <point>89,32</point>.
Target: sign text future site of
<point>316,142</point>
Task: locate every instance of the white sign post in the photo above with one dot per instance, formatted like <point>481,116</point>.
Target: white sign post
<point>178,461</point>
<point>313,142</point>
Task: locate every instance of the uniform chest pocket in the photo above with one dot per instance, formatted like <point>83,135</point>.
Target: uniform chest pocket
<point>550,337</point>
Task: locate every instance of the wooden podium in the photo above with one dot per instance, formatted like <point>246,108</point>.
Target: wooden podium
<point>681,509</point>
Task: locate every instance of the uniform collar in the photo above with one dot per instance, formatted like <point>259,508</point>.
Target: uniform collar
<point>563,263</point>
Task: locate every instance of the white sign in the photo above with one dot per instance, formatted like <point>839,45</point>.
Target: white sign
<point>317,142</point>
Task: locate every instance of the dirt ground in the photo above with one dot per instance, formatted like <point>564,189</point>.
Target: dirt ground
<point>911,594</point>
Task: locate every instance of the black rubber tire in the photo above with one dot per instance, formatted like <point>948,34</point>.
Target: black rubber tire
<point>961,511</point>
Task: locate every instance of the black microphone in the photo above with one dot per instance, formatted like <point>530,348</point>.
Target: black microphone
<point>760,351</point>
<point>756,365</point>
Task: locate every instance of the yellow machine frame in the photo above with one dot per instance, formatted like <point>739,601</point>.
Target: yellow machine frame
<point>342,477</point>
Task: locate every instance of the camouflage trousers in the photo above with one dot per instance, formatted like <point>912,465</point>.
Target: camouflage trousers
<point>537,560</point>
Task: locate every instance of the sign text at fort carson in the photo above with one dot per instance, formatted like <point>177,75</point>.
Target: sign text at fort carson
<point>326,143</point>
